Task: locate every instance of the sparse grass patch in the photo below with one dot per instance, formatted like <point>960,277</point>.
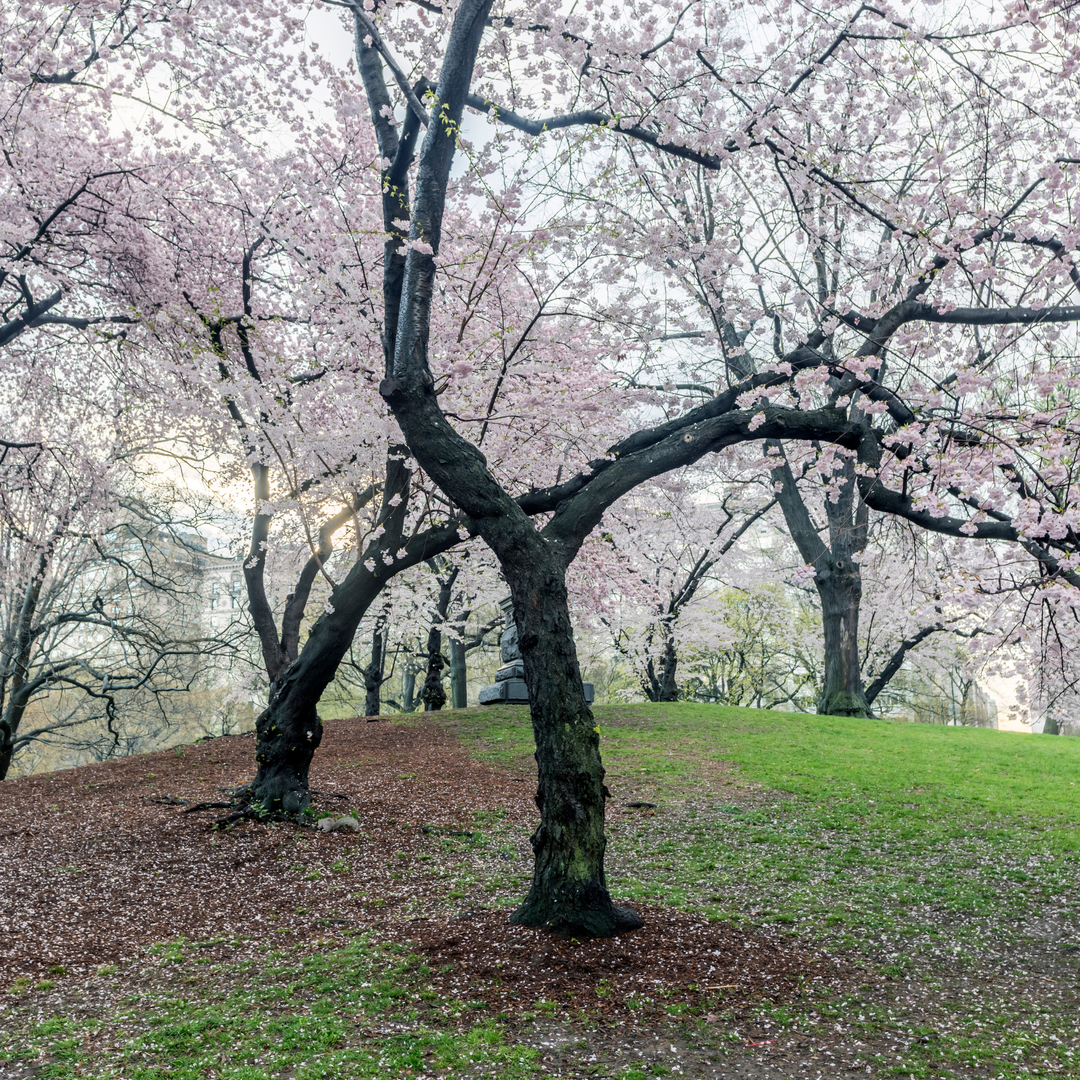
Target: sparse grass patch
<point>351,1012</point>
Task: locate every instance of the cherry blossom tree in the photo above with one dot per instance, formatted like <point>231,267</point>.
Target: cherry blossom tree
<point>942,225</point>
<point>789,119</point>
<point>647,578</point>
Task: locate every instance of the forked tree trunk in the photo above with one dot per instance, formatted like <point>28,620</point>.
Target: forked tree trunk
<point>569,890</point>
<point>289,730</point>
<point>660,685</point>
<point>839,584</point>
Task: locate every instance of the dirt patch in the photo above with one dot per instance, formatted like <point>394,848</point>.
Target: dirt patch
<point>96,866</point>
<point>99,864</point>
<point>675,957</point>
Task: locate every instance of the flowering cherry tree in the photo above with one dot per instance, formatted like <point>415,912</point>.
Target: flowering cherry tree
<point>895,285</point>
<point>789,124</point>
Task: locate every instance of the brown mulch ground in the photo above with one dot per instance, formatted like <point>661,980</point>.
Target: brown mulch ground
<point>98,866</point>
<point>477,955</point>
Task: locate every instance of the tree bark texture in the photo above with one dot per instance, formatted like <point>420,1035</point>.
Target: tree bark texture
<point>373,672</point>
<point>408,689</point>
<point>459,686</point>
<point>839,585</point>
<point>289,730</point>
<point>569,888</point>
<point>661,686</point>
<point>16,688</point>
<point>433,693</point>
<point>838,580</point>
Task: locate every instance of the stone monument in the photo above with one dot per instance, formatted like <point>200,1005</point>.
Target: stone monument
<point>509,684</point>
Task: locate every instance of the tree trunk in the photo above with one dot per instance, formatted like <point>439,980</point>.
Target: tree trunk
<point>287,734</point>
<point>373,673</point>
<point>662,686</point>
<point>408,688</point>
<point>838,580</point>
<point>433,695</point>
<point>459,691</point>
<point>1050,726</point>
<point>15,661</point>
<point>289,730</point>
<point>569,888</point>
<point>668,688</point>
<point>839,584</point>
<point>7,751</point>
<point>10,720</point>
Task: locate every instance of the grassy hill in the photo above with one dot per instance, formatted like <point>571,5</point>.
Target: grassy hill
<point>940,865</point>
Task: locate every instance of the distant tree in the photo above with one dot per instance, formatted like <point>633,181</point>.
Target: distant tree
<point>668,544</point>
<point>102,613</point>
<point>765,654</point>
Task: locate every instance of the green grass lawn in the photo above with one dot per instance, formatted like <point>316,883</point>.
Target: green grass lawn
<point>919,850</point>
<point>941,861</point>
<point>860,820</point>
<point>820,757</point>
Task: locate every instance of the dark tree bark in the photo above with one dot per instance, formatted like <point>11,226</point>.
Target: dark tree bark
<point>459,686</point>
<point>375,670</point>
<point>839,586</point>
<point>289,731</point>
<point>838,581</point>
<point>661,686</point>
<point>16,687</point>
<point>434,695</point>
<point>896,661</point>
<point>569,889</point>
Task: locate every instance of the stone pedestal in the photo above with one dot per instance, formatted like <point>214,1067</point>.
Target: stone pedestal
<point>509,684</point>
